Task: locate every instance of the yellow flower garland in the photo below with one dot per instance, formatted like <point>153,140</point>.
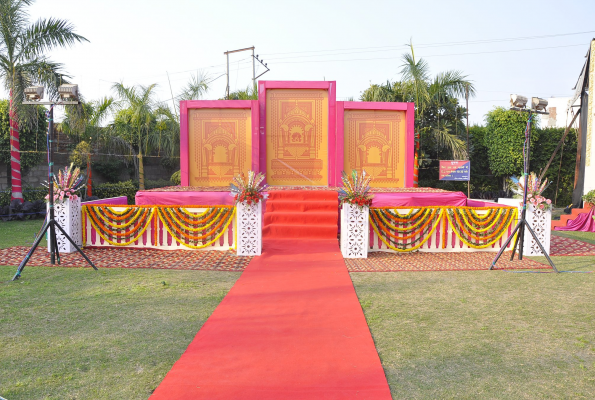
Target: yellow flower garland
<point>141,231</point>
<point>421,220</point>
<point>208,243</point>
<point>417,246</point>
<point>483,246</point>
<point>182,226</point>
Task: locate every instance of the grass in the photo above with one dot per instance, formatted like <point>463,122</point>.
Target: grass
<point>482,334</point>
<point>70,333</point>
<point>20,233</point>
<point>73,333</point>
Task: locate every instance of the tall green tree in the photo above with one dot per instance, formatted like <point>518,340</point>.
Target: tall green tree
<point>438,116</point>
<point>135,121</point>
<point>23,63</point>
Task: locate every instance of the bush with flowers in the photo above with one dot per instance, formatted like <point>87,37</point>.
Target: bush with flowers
<point>534,190</point>
<point>66,184</point>
<point>356,189</point>
<point>249,191</point>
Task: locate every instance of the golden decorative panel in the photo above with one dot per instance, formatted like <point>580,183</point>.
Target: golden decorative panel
<point>297,137</point>
<point>219,145</point>
<point>376,141</point>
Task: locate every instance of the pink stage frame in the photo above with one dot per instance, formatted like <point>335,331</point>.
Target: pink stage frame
<point>409,109</point>
<point>330,86</point>
<point>223,104</point>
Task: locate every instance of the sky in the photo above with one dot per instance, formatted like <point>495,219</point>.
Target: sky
<point>528,48</point>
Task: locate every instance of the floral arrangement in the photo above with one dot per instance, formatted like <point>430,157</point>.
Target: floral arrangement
<point>66,184</point>
<point>248,190</point>
<point>355,189</point>
<point>534,190</point>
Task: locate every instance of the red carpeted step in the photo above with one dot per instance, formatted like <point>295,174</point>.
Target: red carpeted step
<point>293,218</point>
<point>286,231</point>
<point>303,195</point>
<point>301,206</point>
<point>294,214</point>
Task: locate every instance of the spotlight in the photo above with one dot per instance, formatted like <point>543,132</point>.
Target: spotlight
<point>69,92</point>
<point>518,101</point>
<point>34,93</point>
<point>538,104</point>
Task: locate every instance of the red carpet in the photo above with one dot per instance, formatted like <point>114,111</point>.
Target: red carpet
<point>290,328</point>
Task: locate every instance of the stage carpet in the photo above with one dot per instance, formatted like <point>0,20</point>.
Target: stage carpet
<point>290,328</point>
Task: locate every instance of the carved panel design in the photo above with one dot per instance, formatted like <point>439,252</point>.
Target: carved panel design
<point>297,137</point>
<point>376,141</point>
<point>68,215</point>
<point>220,145</point>
<point>540,221</point>
<point>355,234</point>
<point>249,229</point>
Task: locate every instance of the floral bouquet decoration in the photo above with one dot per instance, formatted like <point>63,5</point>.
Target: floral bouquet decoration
<point>249,190</point>
<point>356,189</point>
<point>68,182</point>
<point>534,190</point>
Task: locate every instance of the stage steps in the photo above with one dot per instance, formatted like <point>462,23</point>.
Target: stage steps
<point>301,214</point>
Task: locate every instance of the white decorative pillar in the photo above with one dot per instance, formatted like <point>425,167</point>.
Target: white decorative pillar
<point>249,229</point>
<point>541,222</point>
<point>68,215</point>
<point>355,235</point>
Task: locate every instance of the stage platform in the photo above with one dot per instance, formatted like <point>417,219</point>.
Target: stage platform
<point>383,197</point>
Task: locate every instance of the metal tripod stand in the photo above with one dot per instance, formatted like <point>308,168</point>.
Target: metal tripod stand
<point>520,227</point>
<point>51,223</point>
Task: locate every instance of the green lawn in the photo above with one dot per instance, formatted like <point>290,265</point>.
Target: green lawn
<point>20,233</point>
<point>484,334</point>
<point>70,333</point>
<point>73,333</point>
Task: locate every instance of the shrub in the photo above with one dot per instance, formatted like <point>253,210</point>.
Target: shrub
<point>106,190</point>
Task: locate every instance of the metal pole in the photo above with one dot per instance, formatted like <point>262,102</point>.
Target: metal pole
<point>51,242</point>
<point>253,68</point>
<point>227,87</point>
<point>468,155</point>
<point>526,172</point>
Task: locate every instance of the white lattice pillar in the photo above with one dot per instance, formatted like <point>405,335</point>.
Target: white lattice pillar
<point>68,215</point>
<point>355,235</point>
<point>249,229</point>
<point>541,222</point>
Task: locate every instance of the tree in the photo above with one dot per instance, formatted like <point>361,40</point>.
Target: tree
<point>23,63</point>
<point>135,121</point>
<point>84,124</point>
<point>438,116</point>
<point>504,139</point>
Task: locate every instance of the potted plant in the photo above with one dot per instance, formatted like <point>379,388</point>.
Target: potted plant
<point>248,195</point>
<point>356,200</point>
<point>589,199</point>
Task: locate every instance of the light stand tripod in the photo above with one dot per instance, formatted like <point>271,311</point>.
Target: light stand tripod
<point>523,221</point>
<point>51,223</point>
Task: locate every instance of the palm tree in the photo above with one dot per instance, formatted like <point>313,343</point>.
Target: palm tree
<point>432,98</point>
<point>135,121</point>
<point>84,124</point>
<point>23,63</point>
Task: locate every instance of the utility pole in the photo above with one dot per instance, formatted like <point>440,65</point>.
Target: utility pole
<point>227,53</point>
<point>468,155</point>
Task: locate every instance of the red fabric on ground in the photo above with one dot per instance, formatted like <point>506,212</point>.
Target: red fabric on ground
<point>290,328</point>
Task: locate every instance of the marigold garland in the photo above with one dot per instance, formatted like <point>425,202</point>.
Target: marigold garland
<point>112,227</point>
<point>465,222</point>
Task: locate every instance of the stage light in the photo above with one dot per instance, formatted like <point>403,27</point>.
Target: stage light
<point>33,93</point>
<point>69,92</point>
<point>518,101</point>
<point>538,104</point>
